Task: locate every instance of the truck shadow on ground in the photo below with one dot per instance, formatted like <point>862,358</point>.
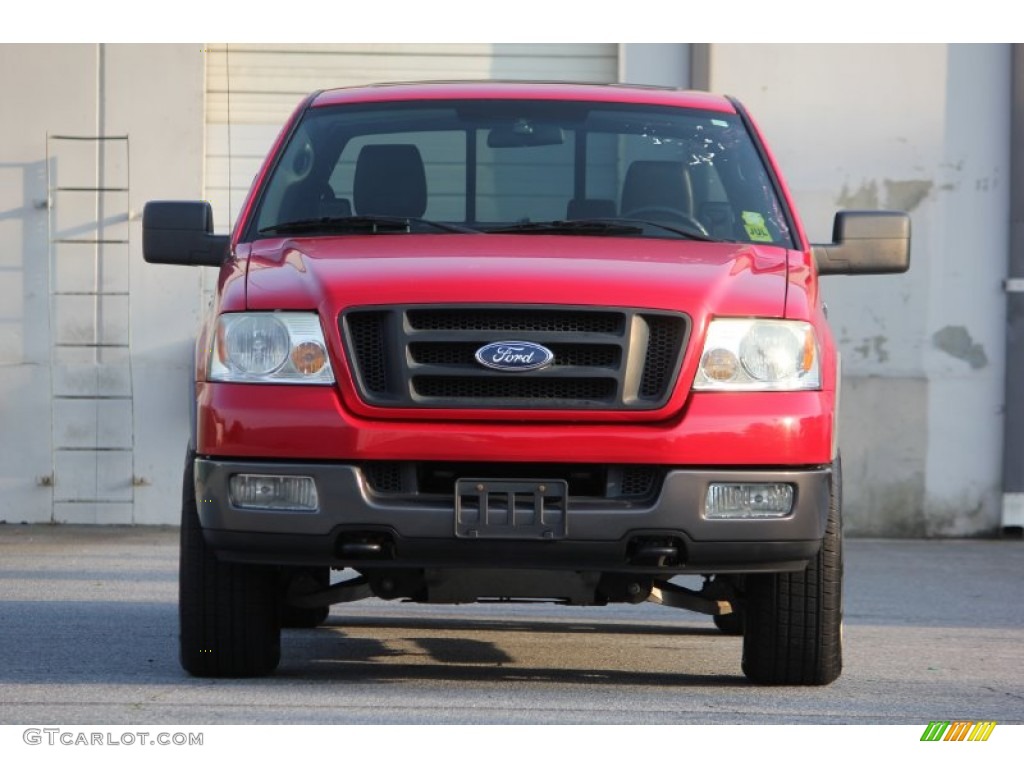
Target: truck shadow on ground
<point>488,652</point>
<point>118,643</point>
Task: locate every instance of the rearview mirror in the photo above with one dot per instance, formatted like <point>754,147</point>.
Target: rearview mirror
<point>525,133</point>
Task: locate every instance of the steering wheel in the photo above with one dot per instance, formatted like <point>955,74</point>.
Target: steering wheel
<point>668,215</point>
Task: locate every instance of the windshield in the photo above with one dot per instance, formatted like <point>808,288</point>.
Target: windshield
<point>521,166</point>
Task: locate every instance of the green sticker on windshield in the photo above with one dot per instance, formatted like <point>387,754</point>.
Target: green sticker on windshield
<point>757,231</point>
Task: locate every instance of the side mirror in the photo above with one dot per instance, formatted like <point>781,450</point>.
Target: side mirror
<point>866,243</point>
<point>181,232</point>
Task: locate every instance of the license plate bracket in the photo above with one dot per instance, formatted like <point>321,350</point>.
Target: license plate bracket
<point>528,510</point>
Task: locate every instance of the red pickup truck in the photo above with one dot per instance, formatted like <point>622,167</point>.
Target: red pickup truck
<point>495,341</point>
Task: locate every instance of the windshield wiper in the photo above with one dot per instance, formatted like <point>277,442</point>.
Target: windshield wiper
<point>366,223</point>
<point>690,234</point>
<point>569,227</point>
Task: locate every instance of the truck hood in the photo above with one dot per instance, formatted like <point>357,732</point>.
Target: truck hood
<point>332,274</point>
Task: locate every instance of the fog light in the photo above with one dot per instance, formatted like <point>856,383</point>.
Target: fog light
<point>748,501</point>
<point>273,492</point>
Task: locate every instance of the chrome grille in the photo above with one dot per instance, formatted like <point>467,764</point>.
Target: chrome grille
<point>604,359</point>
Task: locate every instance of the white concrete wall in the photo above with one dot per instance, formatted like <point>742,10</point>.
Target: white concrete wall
<point>925,129</point>
<point>154,95</point>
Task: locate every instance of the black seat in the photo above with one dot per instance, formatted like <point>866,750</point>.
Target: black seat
<point>390,181</point>
<point>657,186</point>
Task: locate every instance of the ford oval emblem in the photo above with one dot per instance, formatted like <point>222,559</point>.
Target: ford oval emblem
<point>514,356</point>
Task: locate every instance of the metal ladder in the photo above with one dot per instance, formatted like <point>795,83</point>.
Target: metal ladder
<point>92,414</point>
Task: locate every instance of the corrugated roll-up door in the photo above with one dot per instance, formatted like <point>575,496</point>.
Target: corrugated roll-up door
<point>253,88</point>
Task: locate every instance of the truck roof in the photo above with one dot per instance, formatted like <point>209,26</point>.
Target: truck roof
<point>485,89</point>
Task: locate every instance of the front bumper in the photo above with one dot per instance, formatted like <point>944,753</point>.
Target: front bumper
<point>601,536</point>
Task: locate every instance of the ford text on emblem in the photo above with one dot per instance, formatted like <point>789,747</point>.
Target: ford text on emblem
<point>514,356</point>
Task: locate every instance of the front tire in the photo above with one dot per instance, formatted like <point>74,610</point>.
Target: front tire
<point>792,629</point>
<point>229,613</point>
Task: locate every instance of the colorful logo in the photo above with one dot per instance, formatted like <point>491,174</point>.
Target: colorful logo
<point>958,730</point>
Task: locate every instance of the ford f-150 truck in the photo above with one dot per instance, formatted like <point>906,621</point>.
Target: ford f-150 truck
<point>497,341</point>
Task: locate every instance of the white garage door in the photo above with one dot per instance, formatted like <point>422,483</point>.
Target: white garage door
<point>255,88</point>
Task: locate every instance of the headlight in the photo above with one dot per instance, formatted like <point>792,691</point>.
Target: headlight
<point>759,355</point>
<point>270,347</point>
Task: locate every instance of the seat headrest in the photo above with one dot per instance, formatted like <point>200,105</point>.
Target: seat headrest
<point>657,184</point>
<point>390,181</point>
